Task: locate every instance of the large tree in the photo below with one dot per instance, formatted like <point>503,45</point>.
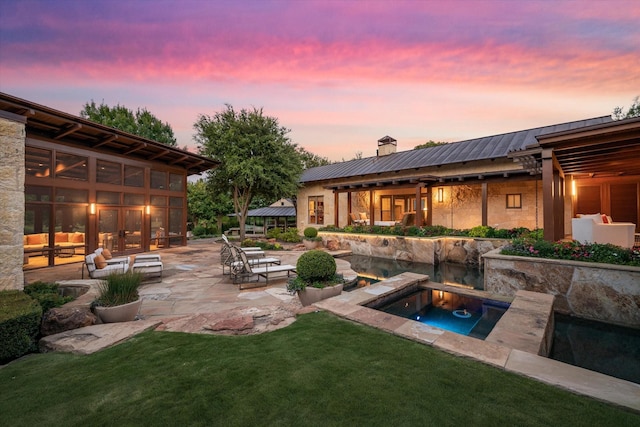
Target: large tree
<point>634,111</point>
<point>141,123</point>
<point>310,160</point>
<point>428,144</point>
<point>207,206</point>
<point>257,158</point>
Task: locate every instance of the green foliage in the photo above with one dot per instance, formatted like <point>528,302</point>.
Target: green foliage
<point>20,317</point>
<point>310,232</point>
<point>118,289</point>
<point>257,158</point>
<point>316,266</point>
<point>47,295</point>
<point>481,231</point>
<point>310,160</point>
<point>634,110</point>
<point>266,246</point>
<point>141,123</point>
<point>428,144</point>
<point>572,250</point>
<point>299,284</point>
<point>274,233</point>
<point>291,236</point>
<point>206,206</point>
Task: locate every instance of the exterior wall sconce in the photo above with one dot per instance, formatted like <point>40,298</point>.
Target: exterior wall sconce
<point>574,191</point>
<point>440,196</point>
<point>147,209</point>
<point>92,208</point>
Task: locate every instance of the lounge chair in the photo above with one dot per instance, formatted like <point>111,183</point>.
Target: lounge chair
<point>101,273</point>
<point>227,256</point>
<point>236,266</point>
<point>245,271</point>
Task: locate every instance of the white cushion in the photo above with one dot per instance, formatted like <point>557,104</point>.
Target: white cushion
<point>597,218</point>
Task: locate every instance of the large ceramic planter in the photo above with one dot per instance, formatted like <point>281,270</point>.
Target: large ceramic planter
<point>311,244</point>
<point>312,295</point>
<point>119,313</point>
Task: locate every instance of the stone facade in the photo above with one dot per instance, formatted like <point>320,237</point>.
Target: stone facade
<point>415,249</point>
<point>12,138</point>
<point>603,292</point>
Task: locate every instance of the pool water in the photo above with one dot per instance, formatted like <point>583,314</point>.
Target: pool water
<point>461,314</point>
<point>608,349</point>
<point>377,269</point>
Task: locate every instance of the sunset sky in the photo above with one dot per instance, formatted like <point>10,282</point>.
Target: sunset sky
<point>339,74</point>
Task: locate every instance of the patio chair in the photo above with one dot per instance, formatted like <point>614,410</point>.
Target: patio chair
<point>355,220</point>
<point>245,271</point>
<point>112,260</point>
<point>236,266</point>
<point>101,272</point>
<point>227,256</point>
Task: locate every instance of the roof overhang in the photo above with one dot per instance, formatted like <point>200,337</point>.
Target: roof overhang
<point>47,123</point>
<point>609,149</point>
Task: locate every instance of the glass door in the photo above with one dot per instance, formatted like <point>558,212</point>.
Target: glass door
<point>120,229</point>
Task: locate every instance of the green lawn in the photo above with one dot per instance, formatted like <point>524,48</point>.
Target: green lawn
<point>319,371</point>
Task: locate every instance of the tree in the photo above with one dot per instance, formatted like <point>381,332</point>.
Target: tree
<point>430,143</point>
<point>310,160</point>
<point>257,158</point>
<point>141,123</point>
<point>634,111</point>
<point>206,206</point>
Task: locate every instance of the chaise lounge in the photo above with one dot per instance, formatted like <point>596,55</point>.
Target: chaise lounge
<point>245,271</point>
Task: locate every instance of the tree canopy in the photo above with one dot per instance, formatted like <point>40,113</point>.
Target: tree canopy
<point>141,123</point>
<point>310,160</point>
<point>257,158</point>
<point>430,143</point>
<point>634,110</point>
<point>206,206</point>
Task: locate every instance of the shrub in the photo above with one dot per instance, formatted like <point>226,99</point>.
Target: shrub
<point>481,231</point>
<point>291,236</point>
<point>19,324</point>
<point>47,295</point>
<point>310,233</point>
<point>316,266</point>
<point>596,252</point>
<point>274,233</point>
<point>118,289</point>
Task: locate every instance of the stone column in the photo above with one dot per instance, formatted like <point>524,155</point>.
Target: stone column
<point>12,140</point>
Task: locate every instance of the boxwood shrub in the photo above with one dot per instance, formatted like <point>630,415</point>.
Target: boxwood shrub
<point>19,324</point>
<point>315,266</point>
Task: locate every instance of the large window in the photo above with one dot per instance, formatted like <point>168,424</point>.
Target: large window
<point>158,180</point>
<point>316,210</point>
<point>133,176</point>
<point>109,172</point>
<point>514,201</point>
<point>176,182</point>
<point>37,162</point>
<point>70,166</point>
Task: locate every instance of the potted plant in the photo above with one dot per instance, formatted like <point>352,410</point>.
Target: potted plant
<point>311,238</point>
<point>118,299</point>
<point>316,278</point>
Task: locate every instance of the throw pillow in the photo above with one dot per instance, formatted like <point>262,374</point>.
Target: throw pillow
<point>597,218</point>
<point>62,237</point>
<point>100,262</point>
<point>106,254</point>
<point>363,215</point>
<point>609,219</point>
<point>605,220</point>
<point>77,238</point>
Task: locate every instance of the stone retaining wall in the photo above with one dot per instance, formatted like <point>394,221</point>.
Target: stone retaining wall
<point>603,292</point>
<point>460,250</point>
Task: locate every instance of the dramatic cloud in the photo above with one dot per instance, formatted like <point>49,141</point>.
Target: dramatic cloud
<point>339,74</point>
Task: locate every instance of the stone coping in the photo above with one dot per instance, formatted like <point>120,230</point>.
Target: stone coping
<point>515,346</point>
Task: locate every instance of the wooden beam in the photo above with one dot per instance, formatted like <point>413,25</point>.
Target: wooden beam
<point>485,203</point>
<point>106,140</point>
<point>136,148</point>
<point>548,196</point>
<point>68,130</point>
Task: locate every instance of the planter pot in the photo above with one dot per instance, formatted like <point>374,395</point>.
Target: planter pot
<point>312,295</point>
<point>119,313</point>
<point>311,244</point>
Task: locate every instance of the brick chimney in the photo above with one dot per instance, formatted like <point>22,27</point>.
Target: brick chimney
<point>386,146</point>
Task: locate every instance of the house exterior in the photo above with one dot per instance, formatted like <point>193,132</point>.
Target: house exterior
<point>73,186</point>
<point>534,178</point>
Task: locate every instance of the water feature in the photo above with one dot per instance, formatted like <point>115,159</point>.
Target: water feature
<point>609,349</point>
<point>446,273</point>
<point>462,314</point>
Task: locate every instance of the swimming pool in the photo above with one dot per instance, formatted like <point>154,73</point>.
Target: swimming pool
<point>462,314</point>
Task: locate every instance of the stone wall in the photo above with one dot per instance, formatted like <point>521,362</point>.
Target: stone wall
<point>603,292</point>
<point>415,249</point>
<point>12,136</point>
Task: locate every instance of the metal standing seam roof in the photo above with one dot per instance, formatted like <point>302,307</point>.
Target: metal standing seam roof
<point>270,211</point>
<point>488,147</point>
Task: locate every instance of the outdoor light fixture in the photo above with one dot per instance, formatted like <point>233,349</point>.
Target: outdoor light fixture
<point>440,196</point>
<point>92,208</point>
<point>573,188</point>
<point>147,209</point>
